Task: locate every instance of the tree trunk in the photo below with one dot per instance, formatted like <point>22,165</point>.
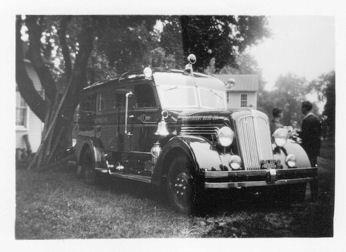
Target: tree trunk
<point>184,22</point>
<point>59,110</point>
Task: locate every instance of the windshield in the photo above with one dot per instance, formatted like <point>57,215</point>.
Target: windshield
<point>211,98</point>
<point>178,97</point>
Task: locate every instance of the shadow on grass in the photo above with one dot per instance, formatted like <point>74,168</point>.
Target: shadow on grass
<point>244,213</point>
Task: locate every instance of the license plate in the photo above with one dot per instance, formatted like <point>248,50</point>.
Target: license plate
<point>270,164</point>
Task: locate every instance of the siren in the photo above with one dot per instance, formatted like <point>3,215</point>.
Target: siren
<point>147,73</point>
<point>192,60</point>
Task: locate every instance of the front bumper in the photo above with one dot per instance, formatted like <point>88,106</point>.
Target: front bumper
<point>258,178</point>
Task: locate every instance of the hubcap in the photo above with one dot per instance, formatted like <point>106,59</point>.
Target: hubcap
<point>181,189</point>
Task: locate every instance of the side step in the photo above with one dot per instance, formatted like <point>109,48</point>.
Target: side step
<point>134,177</point>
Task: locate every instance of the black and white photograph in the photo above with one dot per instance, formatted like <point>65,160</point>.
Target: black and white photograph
<point>174,125</point>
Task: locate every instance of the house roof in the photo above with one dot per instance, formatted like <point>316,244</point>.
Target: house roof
<point>243,82</point>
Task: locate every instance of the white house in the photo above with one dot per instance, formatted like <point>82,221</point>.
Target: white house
<point>28,126</point>
<point>242,89</point>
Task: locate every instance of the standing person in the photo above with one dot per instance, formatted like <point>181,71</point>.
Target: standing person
<point>276,121</point>
<point>310,133</point>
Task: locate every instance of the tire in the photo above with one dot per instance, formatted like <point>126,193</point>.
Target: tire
<point>88,172</point>
<point>181,185</point>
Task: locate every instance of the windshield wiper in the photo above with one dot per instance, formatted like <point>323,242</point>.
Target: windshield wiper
<point>168,89</point>
<point>215,93</point>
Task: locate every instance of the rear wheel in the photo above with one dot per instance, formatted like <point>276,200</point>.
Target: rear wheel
<point>180,185</point>
<point>88,172</point>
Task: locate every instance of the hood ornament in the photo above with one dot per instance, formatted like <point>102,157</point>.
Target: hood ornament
<point>162,125</point>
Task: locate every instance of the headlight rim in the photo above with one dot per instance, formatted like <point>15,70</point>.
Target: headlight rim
<point>277,139</point>
<point>231,136</point>
<point>280,134</point>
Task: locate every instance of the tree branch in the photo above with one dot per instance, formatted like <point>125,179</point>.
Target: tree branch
<point>24,83</point>
<point>42,70</point>
<point>64,48</point>
<point>184,22</point>
<point>78,75</point>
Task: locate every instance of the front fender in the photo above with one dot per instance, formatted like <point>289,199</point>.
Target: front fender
<point>198,149</point>
<point>302,159</point>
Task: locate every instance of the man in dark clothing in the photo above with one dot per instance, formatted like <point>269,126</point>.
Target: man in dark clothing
<point>310,133</point>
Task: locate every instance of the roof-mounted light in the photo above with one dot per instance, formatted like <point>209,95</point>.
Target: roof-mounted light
<point>148,73</point>
<point>192,60</point>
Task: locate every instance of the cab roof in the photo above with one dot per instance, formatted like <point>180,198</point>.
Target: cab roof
<point>172,77</point>
<point>180,79</point>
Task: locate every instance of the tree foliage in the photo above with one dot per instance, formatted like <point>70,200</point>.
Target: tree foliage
<point>329,108</point>
<point>289,91</point>
<point>220,37</point>
<point>324,87</point>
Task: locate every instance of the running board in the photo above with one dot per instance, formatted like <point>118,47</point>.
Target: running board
<point>134,177</point>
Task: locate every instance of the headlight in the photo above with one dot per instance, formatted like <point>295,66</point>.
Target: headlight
<point>280,136</point>
<point>225,136</point>
<point>235,162</point>
<point>291,160</point>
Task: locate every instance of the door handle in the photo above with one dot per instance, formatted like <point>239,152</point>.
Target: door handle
<point>128,94</point>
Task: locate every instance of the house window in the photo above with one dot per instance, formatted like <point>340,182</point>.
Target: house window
<point>21,111</point>
<point>243,100</point>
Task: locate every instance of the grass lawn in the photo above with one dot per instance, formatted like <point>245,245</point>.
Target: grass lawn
<point>57,205</point>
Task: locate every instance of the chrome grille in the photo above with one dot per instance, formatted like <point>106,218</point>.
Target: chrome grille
<point>264,139</point>
<point>199,130</point>
<point>254,140</point>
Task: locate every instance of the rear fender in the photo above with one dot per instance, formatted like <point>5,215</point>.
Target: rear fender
<point>199,150</point>
<point>96,147</point>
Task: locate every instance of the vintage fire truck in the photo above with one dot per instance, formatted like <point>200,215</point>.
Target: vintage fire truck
<point>173,129</point>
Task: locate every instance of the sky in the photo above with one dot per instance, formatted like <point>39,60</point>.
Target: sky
<point>303,45</point>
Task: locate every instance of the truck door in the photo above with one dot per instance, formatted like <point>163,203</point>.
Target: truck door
<point>87,114</point>
<point>143,119</point>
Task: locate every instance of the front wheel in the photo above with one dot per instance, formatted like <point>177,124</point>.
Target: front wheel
<point>180,185</point>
